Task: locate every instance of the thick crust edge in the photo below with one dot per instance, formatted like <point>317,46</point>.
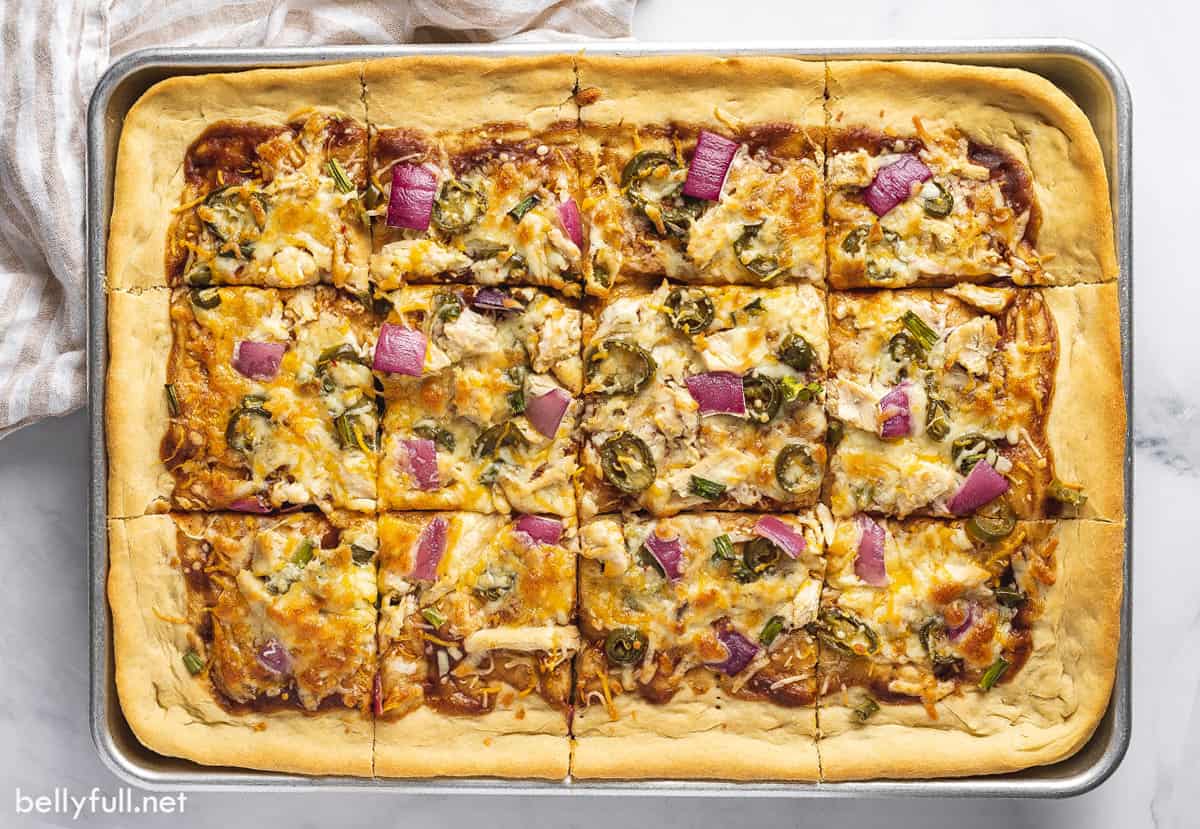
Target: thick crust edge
<point>1086,426</point>
<point>1018,111</point>
<point>1046,714</point>
<point>135,402</point>
<point>708,737</point>
<point>172,712</point>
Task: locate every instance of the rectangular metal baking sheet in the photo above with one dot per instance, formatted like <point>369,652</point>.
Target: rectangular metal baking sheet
<point>1086,74</point>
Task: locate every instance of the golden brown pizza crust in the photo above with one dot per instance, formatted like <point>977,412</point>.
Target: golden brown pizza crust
<point>1045,713</point>
<point>529,740</point>
<point>173,712</point>
<point>1013,110</point>
<point>148,182</point>
<point>135,403</point>
<point>533,91</point>
<point>705,737</point>
<point>1086,427</point>
<point>702,90</point>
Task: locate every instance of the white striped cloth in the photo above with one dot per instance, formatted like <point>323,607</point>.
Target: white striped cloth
<point>54,51</point>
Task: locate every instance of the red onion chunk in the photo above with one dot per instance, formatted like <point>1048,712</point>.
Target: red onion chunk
<point>495,300</point>
<point>421,455</point>
<point>955,633</point>
<point>539,529</point>
<point>400,350</point>
<point>568,214</point>
<point>893,184</point>
<point>710,164</point>
<point>718,392</point>
<point>780,534</point>
<point>982,486</point>
<point>431,546</point>
<point>254,505</point>
<point>274,657</point>
<point>897,419</point>
<point>411,202</point>
<point>258,361</point>
<point>869,564</point>
<point>546,411</point>
<point>668,553</point>
<point>377,694</point>
<point>741,651</point>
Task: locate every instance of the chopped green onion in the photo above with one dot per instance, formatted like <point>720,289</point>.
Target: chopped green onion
<point>867,710</point>
<point>432,616</point>
<point>340,179</point>
<point>193,662</point>
<point>523,206</point>
<point>304,553</point>
<point>516,401</point>
<point>490,473</point>
<point>755,306</point>
<point>794,389</point>
<point>920,330</point>
<point>704,488</point>
<point>172,400</point>
<point>723,548</point>
<point>771,629</point>
<point>1009,597</point>
<point>993,674</point>
<point>834,432</point>
<point>361,555</point>
<point>1066,494</point>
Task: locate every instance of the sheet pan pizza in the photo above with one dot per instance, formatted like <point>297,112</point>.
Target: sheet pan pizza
<point>681,417</point>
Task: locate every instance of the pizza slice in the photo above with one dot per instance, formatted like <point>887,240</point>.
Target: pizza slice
<point>702,169</point>
<point>939,174</point>
<point>696,660</point>
<point>475,643</point>
<point>998,401</point>
<point>284,215</point>
<point>949,651</point>
<point>273,205</point>
<point>250,399</point>
<point>704,398</point>
<point>246,640</point>
<point>493,204</point>
<point>481,388</point>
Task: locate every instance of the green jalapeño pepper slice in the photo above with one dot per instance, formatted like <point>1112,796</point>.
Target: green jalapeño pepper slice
<point>763,265</point>
<point>760,556</point>
<point>937,418</point>
<point>458,206</point>
<point>235,216</point>
<point>492,440</point>
<point>763,397</point>
<point>933,639</point>
<point>625,646</point>
<point>970,449</point>
<point>638,177</point>
<point>1070,495</point>
<point>206,298</point>
<point>844,632</point>
<point>619,367</point>
<point>940,204</point>
<point>689,310</point>
<point>797,352</point>
<point>993,522</point>
<point>244,430</point>
<point>795,470</point>
<point>627,464</point>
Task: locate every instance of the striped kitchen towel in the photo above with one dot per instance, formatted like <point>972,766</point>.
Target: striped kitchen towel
<point>54,51</point>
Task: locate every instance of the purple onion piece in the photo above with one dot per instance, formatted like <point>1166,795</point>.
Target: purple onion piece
<point>982,486</point>
<point>258,361</point>
<point>893,183</point>
<point>740,649</point>
<point>400,350</point>
<point>709,166</point>
<point>421,457</point>
<point>780,534</point>
<point>718,392</point>
<point>869,563</point>
<point>410,204</point>
<point>273,656</point>
<point>539,529</point>
<point>668,552</point>
<point>431,546</point>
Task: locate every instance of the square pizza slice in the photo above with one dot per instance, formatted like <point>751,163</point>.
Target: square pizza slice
<point>1005,401</point>
<point>273,205</point>
<point>704,398</point>
<point>225,171</point>
<point>939,174</point>
<point>481,389</point>
<point>696,660</point>
<point>246,640</point>
<point>953,648</point>
<point>251,399</point>
<point>486,194</point>
<point>475,643</point>
<point>702,169</point>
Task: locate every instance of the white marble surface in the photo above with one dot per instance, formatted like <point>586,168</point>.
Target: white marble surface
<point>44,740</point>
